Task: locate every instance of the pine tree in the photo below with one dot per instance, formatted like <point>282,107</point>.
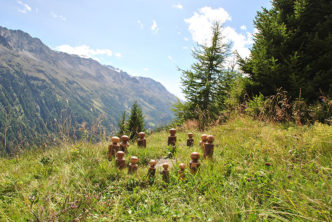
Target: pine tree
<point>204,84</point>
<point>292,49</point>
<point>122,125</point>
<point>135,121</point>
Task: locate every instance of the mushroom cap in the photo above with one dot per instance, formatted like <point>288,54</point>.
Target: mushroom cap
<point>120,154</point>
<point>134,159</point>
<point>165,166</point>
<point>210,138</point>
<point>124,138</point>
<point>115,139</point>
<point>204,137</point>
<point>194,155</point>
<point>152,163</point>
<point>182,166</point>
<point>172,131</point>
<point>190,135</point>
<point>141,134</point>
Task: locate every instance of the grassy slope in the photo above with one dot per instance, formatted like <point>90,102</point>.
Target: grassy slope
<point>77,181</point>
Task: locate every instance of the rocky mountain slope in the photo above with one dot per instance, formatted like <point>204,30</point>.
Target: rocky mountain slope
<point>45,93</point>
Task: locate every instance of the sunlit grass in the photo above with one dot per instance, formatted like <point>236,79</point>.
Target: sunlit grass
<point>260,171</point>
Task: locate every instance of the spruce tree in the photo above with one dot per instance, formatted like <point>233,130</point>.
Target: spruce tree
<point>135,121</point>
<point>204,84</point>
<point>122,125</point>
<point>292,49</point>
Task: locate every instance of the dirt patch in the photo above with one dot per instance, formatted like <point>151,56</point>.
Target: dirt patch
<point>160,162</point>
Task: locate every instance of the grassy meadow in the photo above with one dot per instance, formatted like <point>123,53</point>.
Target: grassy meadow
<point>261,171</point>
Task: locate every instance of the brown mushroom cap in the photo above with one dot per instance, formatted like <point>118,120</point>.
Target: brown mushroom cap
<point>194,156</point>
<point>204,137</point>
<point>120,154</point>
<point>182,166</point>
<point>165,166</point>
<point>124,138</point>
<point>210,138</point>
<point>141,135</point>
<point>152,163</point>
<point>190,135</point>
<point>115,139</point>
<point>134,159</point>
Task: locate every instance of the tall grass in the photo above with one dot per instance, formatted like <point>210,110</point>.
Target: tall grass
<point>261,171</point>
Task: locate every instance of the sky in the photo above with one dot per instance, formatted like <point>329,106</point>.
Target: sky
<point>151,38</point>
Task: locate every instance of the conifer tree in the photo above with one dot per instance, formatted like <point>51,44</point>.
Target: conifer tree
<point>122,125</point>
<point>292,49</point>
<point>136,121</point>
<point>204,84</point>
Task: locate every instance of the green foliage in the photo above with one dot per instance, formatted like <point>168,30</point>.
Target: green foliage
<point>205,84</point>
<point>237,93</point>
<point>182,112</point>
<point>260,172</point>
<point>135,122</point>
<point>122,125</point>
<point>279,108</point>
<point>300,111</point>
<point>256,105</point>
<point>321,111</point>
<point>292,49</point>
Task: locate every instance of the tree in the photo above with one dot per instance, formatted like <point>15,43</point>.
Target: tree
<point>292,49</point>
<point>122,125</point>
<point>204,84</point>
<point>135,121</point>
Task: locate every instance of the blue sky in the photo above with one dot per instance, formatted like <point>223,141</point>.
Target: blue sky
<point>142,37</point>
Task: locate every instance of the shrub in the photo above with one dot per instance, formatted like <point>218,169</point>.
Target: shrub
<point>256,106</point>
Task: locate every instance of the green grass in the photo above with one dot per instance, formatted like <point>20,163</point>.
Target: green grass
<point>76,182</point>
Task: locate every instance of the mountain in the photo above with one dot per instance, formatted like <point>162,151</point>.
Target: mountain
<point>45,94</point>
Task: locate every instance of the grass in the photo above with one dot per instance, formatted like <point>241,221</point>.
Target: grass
<point>261,171</point>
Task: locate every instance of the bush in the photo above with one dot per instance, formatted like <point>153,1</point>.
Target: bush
<point>300,112</point>
<point>256,105</point>
<point>322,111</point>
<point>279,108</point>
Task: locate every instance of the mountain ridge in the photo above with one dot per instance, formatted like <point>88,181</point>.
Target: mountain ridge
<point>54,81</point>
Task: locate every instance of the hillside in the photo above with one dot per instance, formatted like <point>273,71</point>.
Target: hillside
<point>261,171</point>
<point>48,94</point>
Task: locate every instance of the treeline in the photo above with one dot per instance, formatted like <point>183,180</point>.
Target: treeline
<point>287,77</point>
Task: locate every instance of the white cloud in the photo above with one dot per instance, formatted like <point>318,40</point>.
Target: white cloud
<point>185,39</point>
<point>146,69</point>
<point>185,47</point>
<point>56,16</point>
<point>154,26</point>
<point>84,51</point>
<point>201,22</point>
<point>178,6</point>
<point>119,55</point>
<point>139,22</point>
<point>240,42</point>
<point>243,27</point>
<point>200,27</point>
<point>25,7</point>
